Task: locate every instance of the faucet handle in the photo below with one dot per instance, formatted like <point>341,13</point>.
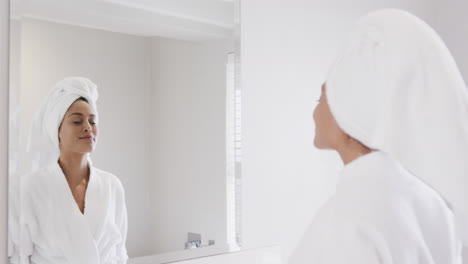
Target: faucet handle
<point>193,240</point>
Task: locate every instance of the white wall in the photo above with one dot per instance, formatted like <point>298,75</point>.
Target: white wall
<point>452,24</point>
<point>119,64</point>
<point>188,105</point>
<point>4,28</point>
<point>287,47</point>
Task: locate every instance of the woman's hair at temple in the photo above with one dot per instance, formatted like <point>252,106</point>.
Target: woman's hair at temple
<point>82,99</point>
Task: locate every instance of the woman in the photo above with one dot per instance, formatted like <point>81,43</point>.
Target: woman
<point>395,107</point>
<point>71,212</point>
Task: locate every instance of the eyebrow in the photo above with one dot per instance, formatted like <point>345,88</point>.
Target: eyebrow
<point>80,114</point>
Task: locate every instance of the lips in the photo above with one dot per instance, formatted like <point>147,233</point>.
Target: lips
<point>87,137</point>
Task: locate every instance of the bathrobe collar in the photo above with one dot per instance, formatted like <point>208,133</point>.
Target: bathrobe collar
<point>79,231</point>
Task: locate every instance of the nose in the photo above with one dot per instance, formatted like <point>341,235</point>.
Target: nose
<point>314,114</point>
<point>88,128</point>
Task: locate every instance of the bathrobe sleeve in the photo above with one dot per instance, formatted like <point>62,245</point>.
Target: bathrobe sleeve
<point>20,252</point>
<point>122,223</point>
<point>22,246</point>
<point>12,250</point>
<point>381,214</point>
<point>331,241</point>
<point>359,250</point>
<point>20,242</point>
<point>13,227</point>
<point>26,245</point>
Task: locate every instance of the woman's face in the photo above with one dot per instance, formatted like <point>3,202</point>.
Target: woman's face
<point>78,131</point>
<point>328,135</point>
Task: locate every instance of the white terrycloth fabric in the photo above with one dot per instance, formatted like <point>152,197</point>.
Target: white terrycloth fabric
<point>395,87</point>
<point>43,145</point>
<point>53,229</point>
<point>381,214</point>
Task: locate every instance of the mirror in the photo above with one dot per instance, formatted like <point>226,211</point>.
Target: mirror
<point>169,122</point>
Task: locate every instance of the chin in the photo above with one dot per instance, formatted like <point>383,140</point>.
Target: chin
<point>320,145</point>
<point>317,144</point>
<point>85,150</point>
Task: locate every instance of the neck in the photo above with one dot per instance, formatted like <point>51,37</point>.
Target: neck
<point>349,154</point>
<point>75,167</point>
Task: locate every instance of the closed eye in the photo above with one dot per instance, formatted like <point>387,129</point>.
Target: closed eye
<point>79,122</point>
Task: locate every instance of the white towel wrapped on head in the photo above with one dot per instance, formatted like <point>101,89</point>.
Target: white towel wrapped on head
<point>43,143</point>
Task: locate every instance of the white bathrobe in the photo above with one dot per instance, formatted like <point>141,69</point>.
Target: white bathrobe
<point>380,214</point>
<point>53,229</point>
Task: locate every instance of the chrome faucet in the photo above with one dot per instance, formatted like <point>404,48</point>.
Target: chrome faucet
<point>194,241</point>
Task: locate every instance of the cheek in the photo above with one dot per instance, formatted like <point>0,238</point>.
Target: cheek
<point>335,133</point>
<point>67,131</point>
<point>318,116</point>
<point>325,124</point>
<point>64,135</point>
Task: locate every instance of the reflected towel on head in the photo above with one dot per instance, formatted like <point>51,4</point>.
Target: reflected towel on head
<point>43,144</point>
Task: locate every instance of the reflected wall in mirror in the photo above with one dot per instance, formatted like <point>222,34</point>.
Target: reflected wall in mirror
<point>168,115</point>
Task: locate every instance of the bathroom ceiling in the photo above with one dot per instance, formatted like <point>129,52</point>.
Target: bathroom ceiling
<point>181,19</point>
